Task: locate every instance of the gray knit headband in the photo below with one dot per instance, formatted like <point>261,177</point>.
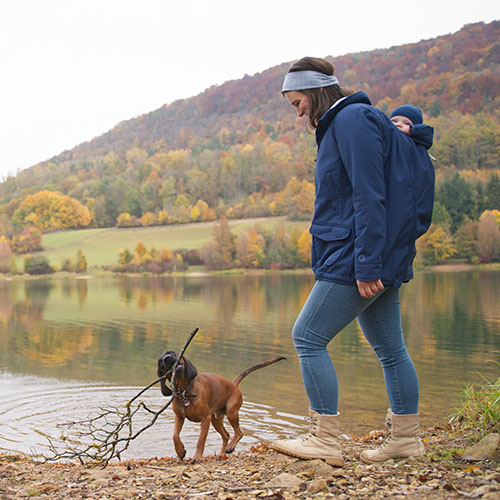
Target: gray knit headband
<point>302,80</point>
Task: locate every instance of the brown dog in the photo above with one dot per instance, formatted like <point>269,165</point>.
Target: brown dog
<point>203,397</point>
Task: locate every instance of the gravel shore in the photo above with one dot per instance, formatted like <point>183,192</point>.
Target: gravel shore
<point>261,473</point>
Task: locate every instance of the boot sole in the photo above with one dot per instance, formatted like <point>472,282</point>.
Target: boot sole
<point>368,461</point>
<point>335,461</point>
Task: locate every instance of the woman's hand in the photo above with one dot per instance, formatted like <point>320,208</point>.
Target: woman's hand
<point>368,289</point>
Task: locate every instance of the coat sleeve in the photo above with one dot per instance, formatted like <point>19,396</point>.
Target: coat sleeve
<point>360,138</point>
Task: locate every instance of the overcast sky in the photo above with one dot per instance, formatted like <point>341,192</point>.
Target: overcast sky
<point>72,69</point>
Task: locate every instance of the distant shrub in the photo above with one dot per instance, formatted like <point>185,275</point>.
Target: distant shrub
<point>37,264</point>
<point>124,256</point>
<point>148,219</point>
<point>28,240</point>
<point>154,267</point>
<point>123,220</point>
<point>153,261</point>
<point>190,257</point>
<point>68,265</point>
<point>162,217</point>
<point>77,264</point>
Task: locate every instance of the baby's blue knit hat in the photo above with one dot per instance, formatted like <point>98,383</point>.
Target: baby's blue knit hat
<point>411,112</point>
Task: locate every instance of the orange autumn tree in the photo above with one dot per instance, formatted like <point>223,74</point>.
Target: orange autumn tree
<point>51,210</point>
<point>304,244</point>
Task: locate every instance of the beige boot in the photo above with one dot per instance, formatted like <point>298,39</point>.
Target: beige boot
<point>321,441</point>
<point>401,439</point>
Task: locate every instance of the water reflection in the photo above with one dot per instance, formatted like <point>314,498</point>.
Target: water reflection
<point>32,416</point>
<point>112,331</point>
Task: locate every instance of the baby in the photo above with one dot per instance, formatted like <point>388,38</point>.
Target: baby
<point>406,115</point>
<point>409,120</point>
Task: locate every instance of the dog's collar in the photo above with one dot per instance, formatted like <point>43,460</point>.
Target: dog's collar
<point>183,395</point>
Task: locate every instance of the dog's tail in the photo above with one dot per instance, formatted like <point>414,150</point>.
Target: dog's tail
<point>242,375</point>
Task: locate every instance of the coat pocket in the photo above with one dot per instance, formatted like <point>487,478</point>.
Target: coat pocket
<point>329,242</point>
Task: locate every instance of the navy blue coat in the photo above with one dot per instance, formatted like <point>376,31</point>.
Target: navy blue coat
<point>374,195</point>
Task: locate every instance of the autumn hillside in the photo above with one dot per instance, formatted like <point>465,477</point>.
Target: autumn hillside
<point>238,150</point>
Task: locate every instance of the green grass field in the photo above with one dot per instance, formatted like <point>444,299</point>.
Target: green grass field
<point>101,246</point>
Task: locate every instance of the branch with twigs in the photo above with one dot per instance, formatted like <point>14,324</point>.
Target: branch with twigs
<point>111,431</point>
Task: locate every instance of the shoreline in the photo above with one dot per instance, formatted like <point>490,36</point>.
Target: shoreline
<point>100,273</point>
<point>263,473</point>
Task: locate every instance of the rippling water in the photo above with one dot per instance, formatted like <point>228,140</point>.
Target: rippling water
<point>39,414</point>
<point>69,347</point>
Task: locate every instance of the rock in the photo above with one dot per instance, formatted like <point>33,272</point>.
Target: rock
<point>361,470</point>
<point>484,449</point>
<point>318,485</point>
<point>318,468</point>
<point>486,489</point>
<point>285,480</point>
<point>122,493</point>
<point>100,483</point>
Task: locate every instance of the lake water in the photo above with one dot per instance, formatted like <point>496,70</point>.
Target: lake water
<point>69,347</point>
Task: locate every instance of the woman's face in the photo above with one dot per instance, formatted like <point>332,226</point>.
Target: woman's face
<point>299,101</point>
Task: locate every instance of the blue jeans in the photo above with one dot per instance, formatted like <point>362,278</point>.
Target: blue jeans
<point>329,308</point>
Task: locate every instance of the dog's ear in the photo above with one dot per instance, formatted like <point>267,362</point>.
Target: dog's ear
<point>190,369</point>
<point>164,366</point>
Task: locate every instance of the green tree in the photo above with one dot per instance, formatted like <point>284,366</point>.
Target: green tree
<point>436,108</point>
<point>182,209</point>
<point>492,193</point>
<point>168,192</point>
<point>150,200</point>
<point>466,240</point>
<point>124,256</point>
<point>279,248</point>
<point>440,215</point>
<point>132,203</point>
<point>456,195</point>
<point>480,201</point>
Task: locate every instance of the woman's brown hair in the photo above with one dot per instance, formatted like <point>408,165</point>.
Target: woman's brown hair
<point>320,99</point>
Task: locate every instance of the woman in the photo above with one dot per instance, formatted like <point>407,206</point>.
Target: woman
<point>364,229</point>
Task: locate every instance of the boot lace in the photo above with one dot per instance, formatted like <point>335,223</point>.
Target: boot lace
<point>388,434</point>
<point>313,426</point>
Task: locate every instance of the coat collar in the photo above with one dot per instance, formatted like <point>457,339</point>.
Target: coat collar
<point>327,118</point>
